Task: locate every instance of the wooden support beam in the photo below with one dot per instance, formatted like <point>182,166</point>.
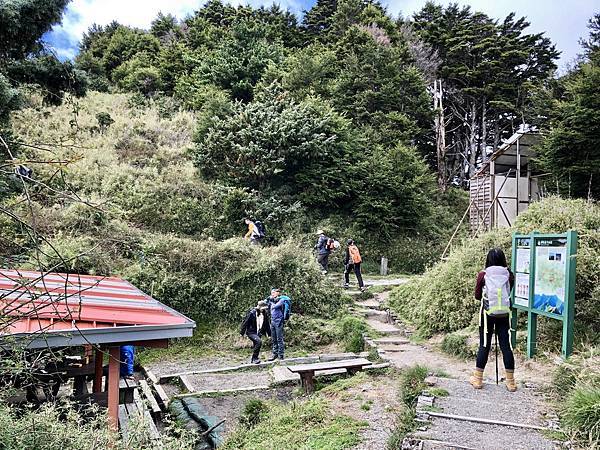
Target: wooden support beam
<point>113,387</point>
<point>187,384</point>
<point>98,371</point>
<point>155,343</point>
<point>486,421</point>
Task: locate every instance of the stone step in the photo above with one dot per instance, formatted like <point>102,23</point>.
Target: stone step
<point>368,304</point>
<point>384,328</point>
<point>381,316</point>
<point>391,341</point>
<point>391,348</point>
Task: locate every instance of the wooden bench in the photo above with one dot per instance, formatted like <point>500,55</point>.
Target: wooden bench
<point>138,409</point>
<point>126,388</point>
<point>307,371</point>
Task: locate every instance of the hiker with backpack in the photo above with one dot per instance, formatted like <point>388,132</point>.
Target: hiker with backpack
<point>256,231</point>
<point>352,262</point>
<point>281,306</point>
<point>256,324</point>
<point>493,288</point>
<point>324,247</point>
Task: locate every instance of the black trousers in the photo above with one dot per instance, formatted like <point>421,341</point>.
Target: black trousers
<point>323,260</point>
<point>356,268</point>
<point>501,327</point>
<point>255,338</point>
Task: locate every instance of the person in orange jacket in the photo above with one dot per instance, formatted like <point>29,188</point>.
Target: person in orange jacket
<point>352,262</point>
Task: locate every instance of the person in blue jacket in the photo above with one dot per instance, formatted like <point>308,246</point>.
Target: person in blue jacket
<point>127,357</point>
<point>323,248</point>
<point>277,303</point>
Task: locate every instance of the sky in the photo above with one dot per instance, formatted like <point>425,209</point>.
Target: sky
<point>563,21</point>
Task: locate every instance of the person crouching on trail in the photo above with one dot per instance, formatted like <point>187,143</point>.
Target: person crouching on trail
<point>352,262</point>
<point>255,325</point>
<point>493,288</point>
<point>280,312</point>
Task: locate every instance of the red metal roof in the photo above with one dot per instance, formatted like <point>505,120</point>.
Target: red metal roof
<point>31,302</point>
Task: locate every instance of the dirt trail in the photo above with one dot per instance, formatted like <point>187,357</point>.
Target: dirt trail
<point>465,407</point>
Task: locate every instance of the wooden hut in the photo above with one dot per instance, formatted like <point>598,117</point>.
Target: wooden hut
<point>506,184</point>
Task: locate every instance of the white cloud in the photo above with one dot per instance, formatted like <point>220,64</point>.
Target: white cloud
<point>81,14</point>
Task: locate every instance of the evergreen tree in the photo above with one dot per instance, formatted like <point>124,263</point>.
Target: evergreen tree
<point>571,151</point>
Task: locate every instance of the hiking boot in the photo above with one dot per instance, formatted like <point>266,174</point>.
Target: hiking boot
<point>346,285</point>
<point>476,379</point>
<point>324,272</point>
<point>255,361</point>
<point>281,358</point>
<point>272,358</point>
<point>511,386</point>
<point>363,289</point>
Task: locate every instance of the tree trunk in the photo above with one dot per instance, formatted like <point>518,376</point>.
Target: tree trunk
<point>472,140</point>
<point>440,135</point>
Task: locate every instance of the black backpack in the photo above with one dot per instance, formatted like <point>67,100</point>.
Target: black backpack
<point>260,228</point>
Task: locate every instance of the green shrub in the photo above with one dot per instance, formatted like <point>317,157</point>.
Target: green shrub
<point>309,424</point>
<point>63,427</point>
<point>212,280</point>
<point>351,333</point>
<point>576,393</point>
<point>442,299</point>
<point>412,384</point>
<point>582,414</point>
<point>254,412</point>
<point>456,344</point>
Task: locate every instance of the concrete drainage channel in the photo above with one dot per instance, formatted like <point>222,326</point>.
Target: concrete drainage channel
<point>212,400</point>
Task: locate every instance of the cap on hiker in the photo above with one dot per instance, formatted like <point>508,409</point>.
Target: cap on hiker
<point>275,290</point>
<point>320,232</point>
<point>350,241</point>
<point>262,305</point>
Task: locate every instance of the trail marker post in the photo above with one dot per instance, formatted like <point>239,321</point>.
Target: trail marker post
<point>545,267</point>
<point>384,266</point>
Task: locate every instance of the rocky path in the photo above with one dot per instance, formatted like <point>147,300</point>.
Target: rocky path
<point>461,417</point>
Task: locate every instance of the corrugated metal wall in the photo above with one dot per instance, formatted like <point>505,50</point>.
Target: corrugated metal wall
<point>481,200</point>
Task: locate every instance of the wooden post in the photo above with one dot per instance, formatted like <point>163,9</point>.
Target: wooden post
<point>98,371</point>
<point>113,387</point>
<point>384,266</point>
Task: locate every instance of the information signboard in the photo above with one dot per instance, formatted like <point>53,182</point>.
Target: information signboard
<point>544,266</point>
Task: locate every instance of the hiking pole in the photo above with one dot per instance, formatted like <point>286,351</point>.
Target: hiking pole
<point>496,336</point>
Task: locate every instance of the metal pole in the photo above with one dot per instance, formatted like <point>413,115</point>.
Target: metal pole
<point>496,336</point>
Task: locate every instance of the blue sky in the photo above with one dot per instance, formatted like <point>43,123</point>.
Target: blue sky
<point>563,21</point>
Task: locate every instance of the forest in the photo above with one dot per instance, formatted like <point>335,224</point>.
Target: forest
<point>149,148</point>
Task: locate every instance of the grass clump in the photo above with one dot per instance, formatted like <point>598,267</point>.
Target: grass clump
<point>438,392</point>
<point>62,426</point>
<point>310,425</point>
<point>254,412</point>
<point>456,344</point>
<point>351,333</point>
<point>576,391</point>
<point>412,384</point>
<point>441,300</point>
<point>582,414</point>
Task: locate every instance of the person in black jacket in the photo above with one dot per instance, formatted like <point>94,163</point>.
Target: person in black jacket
<point>255,325</point>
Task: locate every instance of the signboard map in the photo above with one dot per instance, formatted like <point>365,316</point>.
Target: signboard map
<point>550,277</point>
<point>545,267</point>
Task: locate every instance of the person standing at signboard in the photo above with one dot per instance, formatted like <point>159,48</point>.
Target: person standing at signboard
<point>493,290</point>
